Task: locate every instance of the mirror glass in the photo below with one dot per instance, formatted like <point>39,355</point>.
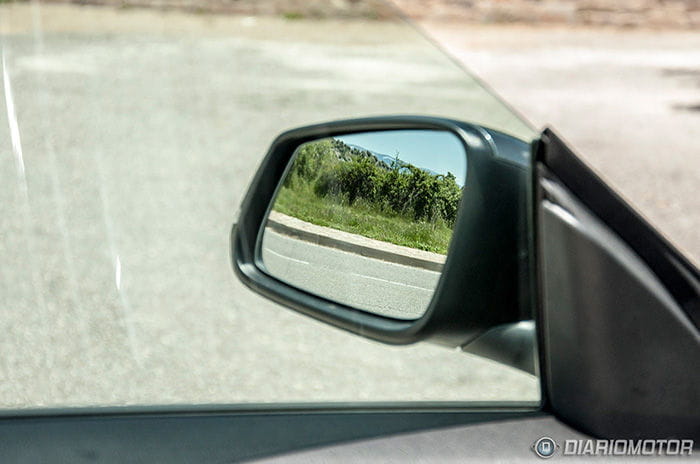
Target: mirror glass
<point>365,219</point>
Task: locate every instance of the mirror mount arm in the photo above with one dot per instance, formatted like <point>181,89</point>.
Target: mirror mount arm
<point>511,344</point>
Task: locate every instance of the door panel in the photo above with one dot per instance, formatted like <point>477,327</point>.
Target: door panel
<point>618,313</point>
<point>226,434</point>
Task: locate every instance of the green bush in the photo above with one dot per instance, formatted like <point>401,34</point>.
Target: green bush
<point>331,169</point>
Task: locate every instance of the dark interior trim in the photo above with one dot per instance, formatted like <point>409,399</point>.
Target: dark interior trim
<point>188,436</point>
<point>680,277</point>
<point>619,348</point>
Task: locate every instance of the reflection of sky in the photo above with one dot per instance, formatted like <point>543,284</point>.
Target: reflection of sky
<point>438,151</point>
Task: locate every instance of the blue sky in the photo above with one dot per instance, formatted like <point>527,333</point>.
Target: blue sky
<point>438,151</point>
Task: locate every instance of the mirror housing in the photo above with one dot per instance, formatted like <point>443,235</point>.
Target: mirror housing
<point>484,283</point>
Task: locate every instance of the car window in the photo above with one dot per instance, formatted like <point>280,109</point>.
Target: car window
<point>128,137</point>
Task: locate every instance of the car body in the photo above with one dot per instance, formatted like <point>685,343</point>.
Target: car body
<point>584,255</point>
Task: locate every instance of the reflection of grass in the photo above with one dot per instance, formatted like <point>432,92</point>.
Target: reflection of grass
<point>363,219</point>
<point>292,15</point>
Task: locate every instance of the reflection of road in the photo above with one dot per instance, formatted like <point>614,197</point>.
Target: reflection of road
<point>378,286</point>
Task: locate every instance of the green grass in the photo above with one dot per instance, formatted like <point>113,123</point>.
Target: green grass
<point>292,15</point>
<point>363,219</point>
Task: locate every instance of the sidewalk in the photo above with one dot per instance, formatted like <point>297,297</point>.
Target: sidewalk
<point>353,243</point>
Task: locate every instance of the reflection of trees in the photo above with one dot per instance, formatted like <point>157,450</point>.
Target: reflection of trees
<point>330,167</point>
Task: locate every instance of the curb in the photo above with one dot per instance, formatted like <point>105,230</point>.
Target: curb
<point>325,240</point>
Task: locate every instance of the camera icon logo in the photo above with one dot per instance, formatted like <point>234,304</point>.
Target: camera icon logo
<point>545,447</point>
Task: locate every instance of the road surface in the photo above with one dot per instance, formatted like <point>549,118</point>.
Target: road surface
<point>380,287</point>
<point>127,139</point>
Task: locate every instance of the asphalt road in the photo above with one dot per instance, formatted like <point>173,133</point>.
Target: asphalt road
<point>127,139</point>
<point>376,286</point>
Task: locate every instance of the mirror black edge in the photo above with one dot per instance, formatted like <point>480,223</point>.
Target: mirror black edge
<point>481,285</point>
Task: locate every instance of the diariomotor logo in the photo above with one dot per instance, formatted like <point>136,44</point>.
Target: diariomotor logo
<point>546,447</point>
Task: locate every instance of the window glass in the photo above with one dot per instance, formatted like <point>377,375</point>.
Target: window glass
<point>127,139</point>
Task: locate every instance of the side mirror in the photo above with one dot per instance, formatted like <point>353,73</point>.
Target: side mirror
<point>399,229</point>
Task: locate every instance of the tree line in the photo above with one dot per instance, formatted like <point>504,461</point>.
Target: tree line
<point>330,167</point>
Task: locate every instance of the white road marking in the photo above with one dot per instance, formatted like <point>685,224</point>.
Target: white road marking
<point>393,282</point>
<point>286,257</point>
